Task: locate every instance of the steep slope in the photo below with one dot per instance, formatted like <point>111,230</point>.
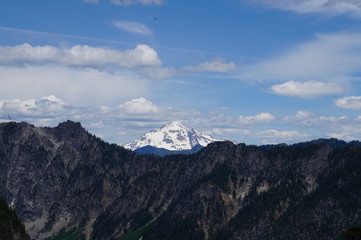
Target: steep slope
<point>173,137</point>
<point>11,228</point>
<point>65,182</point>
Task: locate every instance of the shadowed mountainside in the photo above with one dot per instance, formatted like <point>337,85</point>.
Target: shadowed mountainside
<point>68,184</point>
<point>11,228</point>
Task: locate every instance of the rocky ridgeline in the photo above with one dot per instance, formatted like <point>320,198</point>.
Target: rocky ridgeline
<point>68,183</point>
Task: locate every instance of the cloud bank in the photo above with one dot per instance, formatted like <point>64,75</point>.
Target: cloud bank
<point>48,106</point>
<point>127,121</point>
<point>78,56</point>
<point>84,86</point>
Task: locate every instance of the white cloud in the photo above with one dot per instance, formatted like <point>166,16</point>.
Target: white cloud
<point>331,57</point>
<point>258,118</point>
<point>217,65</point>
<point>304,117</point>
<point>133,27</point>
<point>84,86</point>
<point>79,56</point>
<point>143,59</point>
<point>139,106</point>
<point>306,89</point>
<point>141,2</point>
<point>352,102</point>
<point>134,117</point>
<point>48,106</point>
<point>329,7</point>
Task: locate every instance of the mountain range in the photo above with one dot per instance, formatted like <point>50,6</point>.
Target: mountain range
<point>65,183</point>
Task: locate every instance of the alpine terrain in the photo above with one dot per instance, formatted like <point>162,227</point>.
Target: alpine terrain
<point>171,137</point>
<point>65,183</point>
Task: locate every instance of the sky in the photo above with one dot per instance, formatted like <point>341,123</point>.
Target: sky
<point>250,71</point>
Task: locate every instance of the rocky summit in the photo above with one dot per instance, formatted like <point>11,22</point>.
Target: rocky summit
<point>65,183</point>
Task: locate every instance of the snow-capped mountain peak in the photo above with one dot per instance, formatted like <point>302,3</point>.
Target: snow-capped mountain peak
<point>173,136</point>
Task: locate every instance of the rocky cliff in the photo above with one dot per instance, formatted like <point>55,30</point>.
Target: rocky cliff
<point>66,183</point>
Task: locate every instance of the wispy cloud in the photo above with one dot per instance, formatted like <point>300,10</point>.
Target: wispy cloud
<point>329,57</point>
<point>28,34</point>
<point>328,7</point>
<point>126,3</point>
<point>306,89</point>
<point>217,65</point>
<point>158,72</point>
<point>133,27</point>
<point>91,1</point>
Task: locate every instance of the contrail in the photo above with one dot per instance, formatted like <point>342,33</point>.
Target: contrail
<point>54,35</point>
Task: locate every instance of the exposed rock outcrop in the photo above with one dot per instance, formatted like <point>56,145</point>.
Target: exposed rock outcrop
<point>64,181</point>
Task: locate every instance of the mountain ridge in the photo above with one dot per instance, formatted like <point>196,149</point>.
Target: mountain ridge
<point>63,181</point>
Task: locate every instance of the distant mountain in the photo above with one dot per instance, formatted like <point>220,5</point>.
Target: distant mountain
<point>65,183</point>
<point>172,137</point>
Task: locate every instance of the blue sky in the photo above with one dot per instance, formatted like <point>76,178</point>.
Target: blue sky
<point>253,71</point>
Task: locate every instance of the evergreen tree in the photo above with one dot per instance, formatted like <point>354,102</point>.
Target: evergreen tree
<point>10,225</point>
<point>353,233</point>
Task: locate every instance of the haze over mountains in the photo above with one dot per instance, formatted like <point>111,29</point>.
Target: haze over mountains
<point>65,183</point>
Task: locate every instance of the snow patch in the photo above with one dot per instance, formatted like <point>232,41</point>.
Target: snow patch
<point>173,136</point>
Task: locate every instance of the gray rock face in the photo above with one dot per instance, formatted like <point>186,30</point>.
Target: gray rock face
<point>64,181</point>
